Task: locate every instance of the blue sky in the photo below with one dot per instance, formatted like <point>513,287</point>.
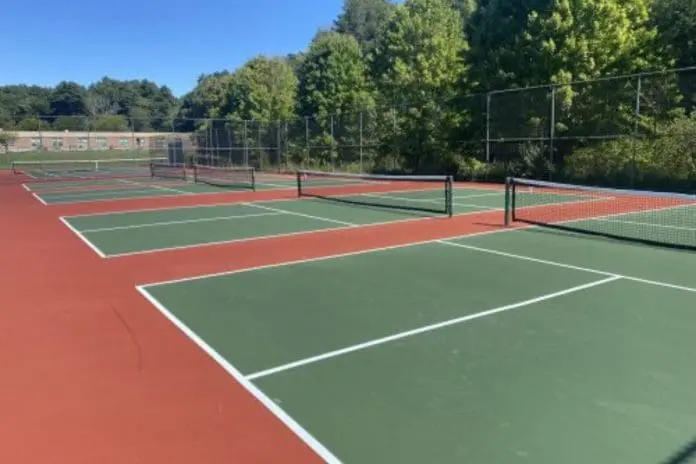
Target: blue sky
<point>168,41</point>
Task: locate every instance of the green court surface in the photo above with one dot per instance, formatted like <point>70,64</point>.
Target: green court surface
<point>105,189</point>
<point>518,346</point>
<point>117,234</point>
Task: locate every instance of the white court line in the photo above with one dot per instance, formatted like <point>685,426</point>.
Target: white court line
<point>83,238</point>
<point>97,194</point>
<point>309,216</point>
<point>290,234</point>
<point>41,200</point>
<point>563,265</point>
<point>647,224</point>
<point>227,203</point>
<point>26,187</point>
<point>183,221</point>
<point>154,186</point>
<point>276,410</point>
<point>424,329</point>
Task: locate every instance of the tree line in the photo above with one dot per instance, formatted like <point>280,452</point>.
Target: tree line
<point>406,80</point>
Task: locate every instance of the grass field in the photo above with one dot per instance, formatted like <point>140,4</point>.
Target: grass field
<point>304,329</point>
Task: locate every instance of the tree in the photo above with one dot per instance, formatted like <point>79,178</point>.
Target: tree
<point>7,139</point>
<point>333,88</point>
<point>363,19</point>
<point>68,99</point>
<point>263,89</point>
<point>676,25</point>
<point>419,61</point>
<point>519,44</point>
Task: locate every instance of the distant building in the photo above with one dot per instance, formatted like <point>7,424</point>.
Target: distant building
<point>31,141</point>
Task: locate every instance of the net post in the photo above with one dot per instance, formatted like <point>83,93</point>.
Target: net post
<point>299,184</point>
<point>253,179</point>
<point>507,200</point>
<point>448,196</point>
<point>513,199</point>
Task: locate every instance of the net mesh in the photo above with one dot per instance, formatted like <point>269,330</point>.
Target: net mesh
<point>85,167</point>
<point>166,170</point>
<point>379,191</point>
<point>233,177</point>
<point>654,218</point>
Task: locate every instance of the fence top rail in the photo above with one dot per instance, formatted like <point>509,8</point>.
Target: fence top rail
<point>598,79</point>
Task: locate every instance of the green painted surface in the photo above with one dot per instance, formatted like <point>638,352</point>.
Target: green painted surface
<point>199,233</point>
<point>174,227</point>
<point>677,267</point>
<point>160,215</point>
<point>602,376</point>
<point>268,317</point>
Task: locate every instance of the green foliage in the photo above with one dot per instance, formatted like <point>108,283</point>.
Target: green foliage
<point>419,61</point>
<point>535,42</point>
<point>676,26</point>
<point>364,20</point>
<point>333,86</point>
<point>665,161</point>
<point>6,138</point>
<point>263,89</point>
<point>110,123</point>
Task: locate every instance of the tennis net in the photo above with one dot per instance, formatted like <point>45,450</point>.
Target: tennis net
<point>380,191</point>
<point>229,176</point>
<point>165,170</point>
<point>655,218</point>
<point>84,167</point>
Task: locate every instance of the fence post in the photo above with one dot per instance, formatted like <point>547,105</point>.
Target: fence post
<point>245,152</point>
<point>307,140</point>
<point>636,132</point>
<point>360,125</point>
<point>279,152</point>
<point>332,152</point>
<point>488,127</point>
<point>552,130</point>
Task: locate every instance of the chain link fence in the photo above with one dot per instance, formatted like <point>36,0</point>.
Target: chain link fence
<point>635,130</point>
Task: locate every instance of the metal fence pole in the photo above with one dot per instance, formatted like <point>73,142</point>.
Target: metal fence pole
<point>552,130</point>
<point>245,146</point>
<point>307,139</point>
<point>332,152</point>
<point>636,131</point>
<point>279,153</point>
<point>360,125</point>
<point>488,127</point>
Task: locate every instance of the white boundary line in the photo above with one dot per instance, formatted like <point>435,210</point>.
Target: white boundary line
<point>276,410</point>
<point>82,237</point>
<point>647,224</point>
<point>183,221</point>
<point>311,260</point>
<point>289,234</point>
<point>190,194</point>
<point>564,265</point>
<point>227,203</point>
<point>308,216</point>
<point>59,197</point>
<point>155,186</point>
<point>425,329</point>
<point>315,231</point>
<point>39,199</point>
<point>26,187</point>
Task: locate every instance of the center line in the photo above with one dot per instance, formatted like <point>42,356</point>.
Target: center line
<point>424,329</point>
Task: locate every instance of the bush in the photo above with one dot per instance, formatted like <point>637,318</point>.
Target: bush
<point>666,160</point>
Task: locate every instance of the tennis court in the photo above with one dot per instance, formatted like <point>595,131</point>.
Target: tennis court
<point>529,345</point>
<point>75,181</point>
<point>567,336</point>
<point>126,233</point>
